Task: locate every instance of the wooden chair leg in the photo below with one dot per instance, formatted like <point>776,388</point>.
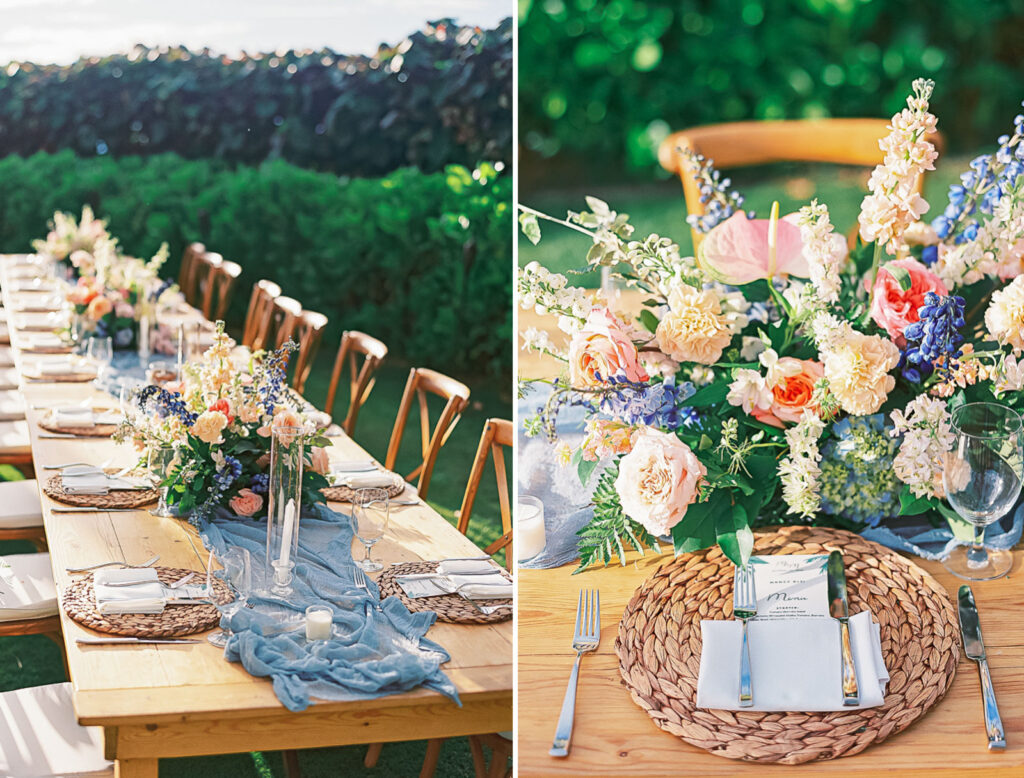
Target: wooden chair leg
<point>432,755</point>
<point>479,761</point>
<point>58,638</point>
<point>373,754</point>
<point>291,764</point>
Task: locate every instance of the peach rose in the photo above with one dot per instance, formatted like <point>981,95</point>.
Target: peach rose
<point>321,463</point>
<point>892,307</point>
<point>602,349</point>
<point>83,293</point>
<point>284,417</point>
<point>694,328</point>
<point>246,502</point>
<point>99,307</point>
<point>209,426</point>
<point>792,393</point>
<point>250,413</point>
<point>658,480</point>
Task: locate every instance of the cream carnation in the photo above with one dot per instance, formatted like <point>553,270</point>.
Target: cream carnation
<point>1005,315</point>
<point>694,329</point>
<point>857,368</point>
<point>209,426</point>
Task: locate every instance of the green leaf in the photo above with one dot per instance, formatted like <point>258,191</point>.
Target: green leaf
<point>584,469</point>
<point>606,536</point>
<point>712,394</point>
<point>697,529</point>
<point>531,227</point>
<point>901,274</point>
<point>732,528</point>
<point>649,320</point>
<point>911,505</point>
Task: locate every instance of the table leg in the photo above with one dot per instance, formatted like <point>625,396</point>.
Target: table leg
<point>136,768</point>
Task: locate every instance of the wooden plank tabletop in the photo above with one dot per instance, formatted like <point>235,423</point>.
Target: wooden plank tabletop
<point>613,736</point>
<point>180,700</point>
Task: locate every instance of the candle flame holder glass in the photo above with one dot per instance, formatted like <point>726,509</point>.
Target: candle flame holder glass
<point>284,504</point>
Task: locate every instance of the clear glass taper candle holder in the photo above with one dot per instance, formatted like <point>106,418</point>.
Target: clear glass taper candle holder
<point>284,504</point>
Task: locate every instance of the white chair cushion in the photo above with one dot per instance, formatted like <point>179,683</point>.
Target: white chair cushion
<point>40,738</point>
<point>27,590</point>
<point>10,378</point>
<point>13,435</point>
<point>12,404</point>
<point>20,506</point>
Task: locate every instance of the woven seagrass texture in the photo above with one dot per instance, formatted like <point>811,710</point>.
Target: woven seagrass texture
<point>450,608</point>
<point>659,645</point>
<point>79,602</point>
<point>345,493</point>
<point>115,498</point>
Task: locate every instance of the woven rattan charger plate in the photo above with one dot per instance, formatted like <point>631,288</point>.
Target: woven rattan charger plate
<point>115,498</point>
<point>659,645</point>
<point>79,603</point>
<point>450,608</point>
<point>345,493</point>
<point>95,431</point>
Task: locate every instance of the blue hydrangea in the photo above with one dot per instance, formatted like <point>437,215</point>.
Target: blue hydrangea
<point>858,483</point>
<point>653,405</point>
<point>936,335</point>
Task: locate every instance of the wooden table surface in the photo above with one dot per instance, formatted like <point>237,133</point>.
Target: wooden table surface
<point>169,701</point>
<point>613,736</point>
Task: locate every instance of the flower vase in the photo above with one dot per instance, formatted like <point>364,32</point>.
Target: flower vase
<point>283,508</point>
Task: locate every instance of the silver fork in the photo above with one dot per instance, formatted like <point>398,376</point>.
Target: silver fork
<point>585,639</point>
<point>744,607</point>
<point>148,563</point>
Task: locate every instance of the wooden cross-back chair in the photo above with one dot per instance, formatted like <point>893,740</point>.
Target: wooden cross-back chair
<point>260,313</point>
<point>741,144</point>
<point>205,266</point>
<point>456,395</point>
<point>497,435</point>
<point>186,274</point>
<point>220,285</point>
<point>284,314</point>
<point>307,331</point>
<point>361,378</point>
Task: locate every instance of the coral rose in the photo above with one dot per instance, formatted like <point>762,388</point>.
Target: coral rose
<point>224,406</point>
<point>694,328</point>
<point>857,368</point>
<point>658,480</point>
<point>246,502</point>
<point>601,349</point>
<point>99,307</point>
<point>892,306</point>
<point>792,393</point>
<point>321,463</point>
<point>209,426</point>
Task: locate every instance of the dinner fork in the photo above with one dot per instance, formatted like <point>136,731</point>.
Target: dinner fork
<point>585,639</point>
<point>744,607</point>
<point>147,563</point>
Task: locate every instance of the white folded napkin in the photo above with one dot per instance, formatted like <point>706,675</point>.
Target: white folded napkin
<point>146,595</point>
<point>95,482</point>
<point>42,340</point>
<point>466,566</point>
<point>352,465</point>
<point>61,367</point>
<point>83,417</point>
<point>375,480</point>
<point>481,587</point>
<point>795,664</point>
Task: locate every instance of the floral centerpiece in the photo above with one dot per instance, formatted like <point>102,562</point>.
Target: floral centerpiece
<point>777,369</point>
<point>75,242</point>
<point>219,425</point>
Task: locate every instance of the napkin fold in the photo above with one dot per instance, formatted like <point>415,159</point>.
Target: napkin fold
<point>375,480</point>
<point>795,664</point>
<point>481,587</point>
<point>466,566</point>
<point>59,367</point>
<point>352,466</point>
<point>83,417</point>
<point>144,595</point>
<point>94,482</point>
<point>42,340</point>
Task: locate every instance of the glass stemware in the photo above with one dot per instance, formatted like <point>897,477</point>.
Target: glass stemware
<point>101,351</point>
<point>370,514</point>
<point>982,476</point>
<point>238,575</point>
<point>160,461</point>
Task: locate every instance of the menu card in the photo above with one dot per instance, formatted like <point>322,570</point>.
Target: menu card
<point>791,586</point>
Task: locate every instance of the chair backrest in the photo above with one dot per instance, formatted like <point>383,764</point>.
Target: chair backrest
<point>186,275</point>
<point>360,380</point>
<point>260,313</point>
<point>497,436</point>
<point>219,288</point>
<point>284,316</point>
<point>307,331</point>
<point>456,396</point>
<point>738,144</point>
<point>203,269</point>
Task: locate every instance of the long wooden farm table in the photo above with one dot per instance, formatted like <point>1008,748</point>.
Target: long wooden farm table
<point>173,701</point>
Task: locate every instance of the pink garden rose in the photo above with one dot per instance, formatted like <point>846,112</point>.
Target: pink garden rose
<point>658,480</point>
<point>321,462</point>
<point>99,307</point>
<point>792,393</point>
<point>893,307</point>
<point>603,348</point>
<point>246,502</point>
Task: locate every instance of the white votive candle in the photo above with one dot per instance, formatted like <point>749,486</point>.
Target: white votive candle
<point>319,622</point>
<point>529,538</point>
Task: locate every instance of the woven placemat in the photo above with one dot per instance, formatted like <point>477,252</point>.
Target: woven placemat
<point>450,608</point>
<point>659,645</point>
<point>30,349</point>
<point>79,602</point>
<point>345,493</point>
<point>115,498</point>
<point>62,378</point>
<point>95,431</point>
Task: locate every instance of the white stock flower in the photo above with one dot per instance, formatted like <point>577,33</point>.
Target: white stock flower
<point>925,426</point>
<point>824,249</point>
<point>798,470</point>
<point>749,390</point>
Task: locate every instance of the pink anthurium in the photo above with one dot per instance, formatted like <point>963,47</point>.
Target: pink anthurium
<point>738,251</point>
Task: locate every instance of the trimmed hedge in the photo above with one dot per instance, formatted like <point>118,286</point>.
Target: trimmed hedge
<point>443,96</point>
<point>421,260</point>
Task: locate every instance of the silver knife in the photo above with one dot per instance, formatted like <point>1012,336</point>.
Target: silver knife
<point>974,647</point>
<point>132,641</point>
<point>839,608</point>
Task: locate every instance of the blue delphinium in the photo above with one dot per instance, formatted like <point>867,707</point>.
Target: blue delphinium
<point>271,374</point>
<point>164,403</point>
<point>260,483</point>
<point>719,202</point>
<point>857,479</point>
<point>935,338</point>
<point>653,405</point>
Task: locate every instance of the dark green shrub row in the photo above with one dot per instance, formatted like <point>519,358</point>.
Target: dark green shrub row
<point>607,79</point>
<point>421,260</point>
<point>443,96</point>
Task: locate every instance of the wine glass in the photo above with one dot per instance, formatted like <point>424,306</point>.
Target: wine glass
<point>982,476</point>
<point>160,461</point>
<point>370,512</point>
<point>238,575</point>
<point>101,351</point>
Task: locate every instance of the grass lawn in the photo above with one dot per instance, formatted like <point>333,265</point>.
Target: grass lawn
<point>35,660</point>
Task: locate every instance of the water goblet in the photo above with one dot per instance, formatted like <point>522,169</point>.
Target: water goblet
<point>101,351</point>
<point>370,514</point>
<point>160,462</point>
<point>238,575</point>
<point>982,476</point>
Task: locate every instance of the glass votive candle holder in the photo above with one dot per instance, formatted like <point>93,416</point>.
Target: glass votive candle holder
<point>530,536</point>
<point>162,372</point>
<point>319,622</point>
